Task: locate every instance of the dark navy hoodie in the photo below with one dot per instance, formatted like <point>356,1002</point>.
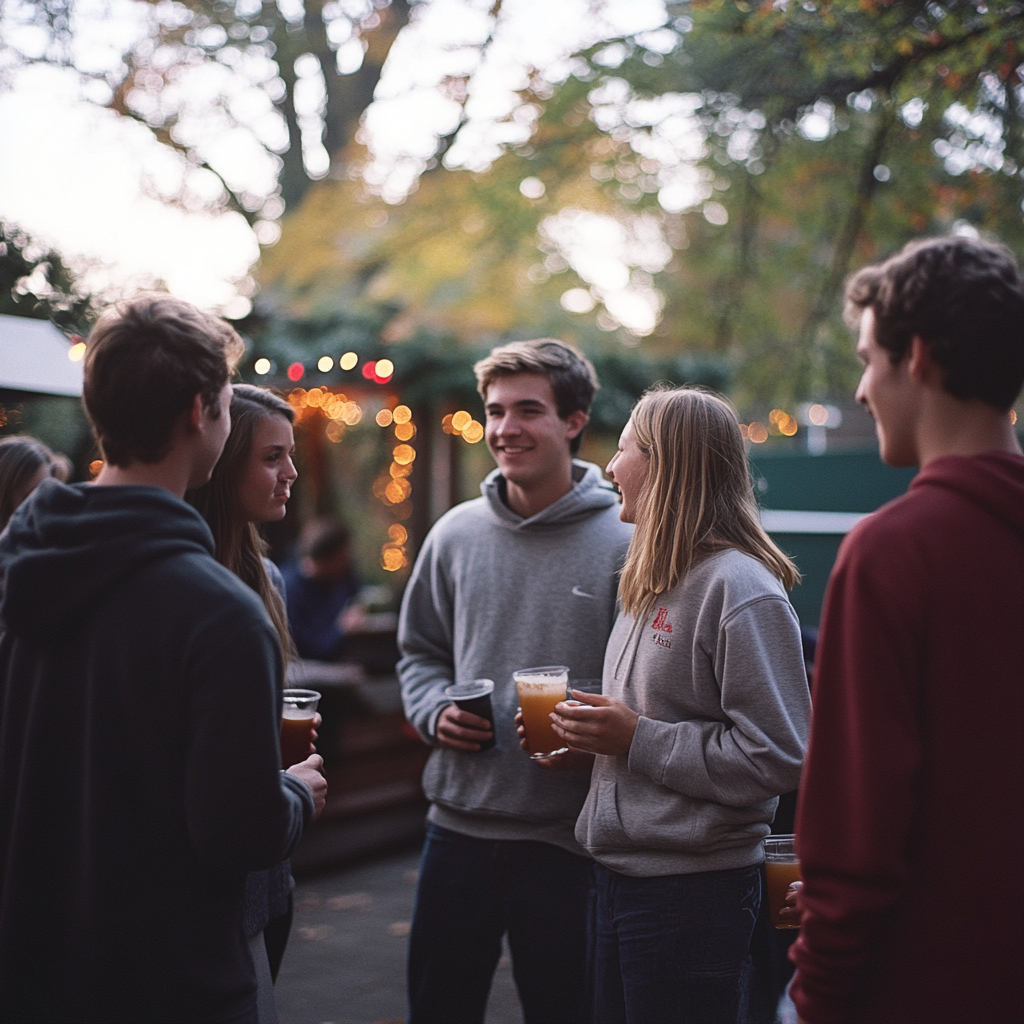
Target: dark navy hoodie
<point>139,769</point>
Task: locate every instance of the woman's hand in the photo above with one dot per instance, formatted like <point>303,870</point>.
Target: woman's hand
<point>576,761</point>
<point>597,724</point>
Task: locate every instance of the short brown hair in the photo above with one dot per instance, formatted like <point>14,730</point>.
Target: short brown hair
<point>964,298</point>
<point>696,499</point>
<point>572,375</point>
<point>147,359</point>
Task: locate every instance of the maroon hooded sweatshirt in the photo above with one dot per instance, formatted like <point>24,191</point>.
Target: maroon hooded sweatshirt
<point>910,826</point>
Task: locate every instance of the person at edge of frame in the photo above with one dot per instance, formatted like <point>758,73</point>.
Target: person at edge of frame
<point>912,788</point>
<point>140,696</point>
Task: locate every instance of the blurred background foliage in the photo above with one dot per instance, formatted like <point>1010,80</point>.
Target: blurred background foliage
<point>740,160</point>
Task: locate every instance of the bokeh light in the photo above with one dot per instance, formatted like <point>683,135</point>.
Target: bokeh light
<point>402,414</point>
<point>757,432</point>
<point>405,431</point>
<point>348,361</point>
<point>325,364</point>
<point>384,418</point>
<point>384,368</point>
<point>262,367</point>
<point>473,432</point>
<point>404,454</point>
<point>77,352</point>
<point>460,421</point>
<point>295,371</point>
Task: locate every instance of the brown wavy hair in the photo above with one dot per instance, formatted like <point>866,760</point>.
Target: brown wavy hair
<point>697,497</point>
<point>239,545</point>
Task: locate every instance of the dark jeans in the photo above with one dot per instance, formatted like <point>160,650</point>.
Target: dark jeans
<point>674,949</point>
<point>472,891</point>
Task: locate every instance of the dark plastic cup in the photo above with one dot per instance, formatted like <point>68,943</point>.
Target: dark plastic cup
<point>475,697</point>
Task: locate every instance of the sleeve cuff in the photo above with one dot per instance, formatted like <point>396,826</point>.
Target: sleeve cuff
<point>651,748</point>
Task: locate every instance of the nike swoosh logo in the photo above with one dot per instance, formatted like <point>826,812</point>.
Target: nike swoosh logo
<point>582,593</point>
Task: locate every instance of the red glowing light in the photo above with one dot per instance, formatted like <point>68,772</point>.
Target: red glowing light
<point>381,380</point>
<point>370,370</point>
<point>295,371</point>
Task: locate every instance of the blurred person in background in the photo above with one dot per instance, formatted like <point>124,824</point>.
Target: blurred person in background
<point>912,788</point>
<point>321,586</point>
<point>24,464</point>
<point>140,701</point>
<point>251,484</point>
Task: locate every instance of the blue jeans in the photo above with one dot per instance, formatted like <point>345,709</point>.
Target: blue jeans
<point>673,949</point>
<point>470,892</point>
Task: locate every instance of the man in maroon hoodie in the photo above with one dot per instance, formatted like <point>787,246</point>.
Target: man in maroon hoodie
<point>911,819</point>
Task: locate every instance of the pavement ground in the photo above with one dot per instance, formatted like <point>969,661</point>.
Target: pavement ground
<point>345,962</point>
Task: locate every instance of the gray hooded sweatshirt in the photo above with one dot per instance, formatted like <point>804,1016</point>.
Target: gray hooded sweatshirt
<point>491,593</point>
<point>716,673</point>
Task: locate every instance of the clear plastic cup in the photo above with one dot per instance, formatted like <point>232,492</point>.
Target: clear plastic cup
<point>540,689</point>
<point>297,725</point>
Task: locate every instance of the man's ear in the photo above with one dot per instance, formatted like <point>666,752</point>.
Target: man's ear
<point>922,368</point>
<point>575,422</point>
<point>195,414</point>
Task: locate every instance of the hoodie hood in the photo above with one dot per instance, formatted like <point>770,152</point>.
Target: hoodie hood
<point>69,545</point>
<point>591,493</point>
<point>993,481</point>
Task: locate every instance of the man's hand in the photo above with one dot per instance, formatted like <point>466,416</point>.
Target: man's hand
<point>310,772</point>
<point>462,730</point>
<point>597,724</point>
<point>576,761</point>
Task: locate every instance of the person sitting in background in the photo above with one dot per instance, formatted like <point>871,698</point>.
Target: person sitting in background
<point>320,586</point>
<point>24,464</point>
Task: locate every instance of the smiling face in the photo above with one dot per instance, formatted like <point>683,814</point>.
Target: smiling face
<point>526,436</point>
<point>889,394</point>
<point>266,481</point>
<point>628,471</point>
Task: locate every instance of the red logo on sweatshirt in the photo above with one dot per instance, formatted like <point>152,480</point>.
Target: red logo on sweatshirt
<point>661,621</point>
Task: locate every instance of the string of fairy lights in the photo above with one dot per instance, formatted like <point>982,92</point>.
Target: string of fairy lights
<point>343,411</point>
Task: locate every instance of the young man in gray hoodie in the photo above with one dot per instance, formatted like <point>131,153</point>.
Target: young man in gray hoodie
<point>525,575</point>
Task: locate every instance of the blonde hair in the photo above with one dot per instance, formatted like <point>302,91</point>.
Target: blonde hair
<point>696,497</point>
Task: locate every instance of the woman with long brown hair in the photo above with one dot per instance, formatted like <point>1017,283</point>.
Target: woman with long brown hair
<point>250,485</point>
<point>702,723</point>
<point>24,464</point>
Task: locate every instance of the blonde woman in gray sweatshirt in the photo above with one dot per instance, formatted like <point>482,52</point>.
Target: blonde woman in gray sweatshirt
<point>701,725</point>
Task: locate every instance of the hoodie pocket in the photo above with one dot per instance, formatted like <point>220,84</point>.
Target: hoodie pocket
<point>603,825</point>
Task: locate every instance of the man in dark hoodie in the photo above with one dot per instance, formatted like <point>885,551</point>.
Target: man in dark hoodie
<point>524,576</point>
<point>911,796</point>
<point>139,700</point>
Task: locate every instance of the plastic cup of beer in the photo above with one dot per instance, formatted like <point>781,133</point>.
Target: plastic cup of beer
<point>475,697</point>
<point>297,725</point>
<point>540,689</point>
<point>782,869</point>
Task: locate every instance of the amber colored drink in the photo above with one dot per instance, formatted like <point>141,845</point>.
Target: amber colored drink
<point>296,735</point>
<point>782,869</point>
<point>539,691</point>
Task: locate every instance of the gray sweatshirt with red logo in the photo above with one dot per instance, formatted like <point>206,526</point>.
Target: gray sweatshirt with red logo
<point>716,673</point>
<point>492,592</point>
